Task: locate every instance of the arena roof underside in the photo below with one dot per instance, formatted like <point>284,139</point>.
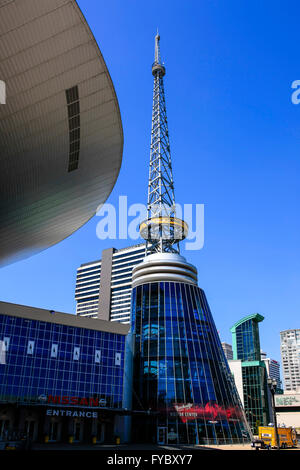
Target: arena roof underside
<point>61,136</point>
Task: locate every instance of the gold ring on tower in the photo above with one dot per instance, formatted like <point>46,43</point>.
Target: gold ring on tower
<point>165,228</point>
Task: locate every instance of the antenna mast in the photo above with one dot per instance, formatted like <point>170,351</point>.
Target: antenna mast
<point>162,230</point>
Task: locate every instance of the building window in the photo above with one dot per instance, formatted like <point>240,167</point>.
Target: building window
<point>118,359</point>
<point>76,354</point>
<point>97,356</point>
<point>54,350</point>
<point>6,344</point>
<point>72,96</point>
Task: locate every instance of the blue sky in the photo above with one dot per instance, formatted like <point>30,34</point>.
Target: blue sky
<point>235,143</point>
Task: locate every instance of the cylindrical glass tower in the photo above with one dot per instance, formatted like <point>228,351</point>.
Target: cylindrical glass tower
<point>183,390</point>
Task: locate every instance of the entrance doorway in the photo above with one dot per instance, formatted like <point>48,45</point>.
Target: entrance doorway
<point>161,435</point>
<point>4,426</point>
<point>30,427</point>
<point>54,431</point>
<point>100,432</point>
<point>78,431</point>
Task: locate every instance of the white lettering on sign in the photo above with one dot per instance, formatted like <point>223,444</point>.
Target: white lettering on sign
<point>287,400</point>
<point>72,414</point>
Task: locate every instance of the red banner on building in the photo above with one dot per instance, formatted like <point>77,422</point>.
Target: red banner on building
<point>209,412</point>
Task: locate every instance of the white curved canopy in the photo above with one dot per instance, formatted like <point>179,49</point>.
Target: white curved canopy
<point>60,151</point>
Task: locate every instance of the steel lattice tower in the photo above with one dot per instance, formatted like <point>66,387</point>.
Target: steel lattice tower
<point>162,230</point>
<point>182,390</point>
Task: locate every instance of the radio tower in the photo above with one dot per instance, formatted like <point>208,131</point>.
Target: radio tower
<point>180,387</point>
<point>162,230</point>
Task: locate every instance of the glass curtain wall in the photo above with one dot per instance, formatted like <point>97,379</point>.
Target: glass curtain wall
<point>182,384</point>
<point>255,393</point>
<point>44,359</point>
<point>247,341</point>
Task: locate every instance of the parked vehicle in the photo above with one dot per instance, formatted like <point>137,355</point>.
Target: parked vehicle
<point>258,444</point>
<point>15,441</point>
<point>287,436</point>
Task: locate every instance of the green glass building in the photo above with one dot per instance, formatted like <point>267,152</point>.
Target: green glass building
<point>246,348</point>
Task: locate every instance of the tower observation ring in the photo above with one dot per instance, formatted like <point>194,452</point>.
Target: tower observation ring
<point>158,68</point>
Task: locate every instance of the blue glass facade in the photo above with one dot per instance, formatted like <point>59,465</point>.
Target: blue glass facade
<point>246,343</point>
<point>180,374</point>
<point>61,377</point>
<point>255,394</point>
<point>44,358</point>
<point>246,347</point>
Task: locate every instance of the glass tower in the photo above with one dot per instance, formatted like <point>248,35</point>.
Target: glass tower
<point>245,338</point>
<point>182,385</point>
<point>246,347</point>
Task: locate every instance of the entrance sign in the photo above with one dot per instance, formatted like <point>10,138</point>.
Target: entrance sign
<point>287,400</point>
<point>72,414</point>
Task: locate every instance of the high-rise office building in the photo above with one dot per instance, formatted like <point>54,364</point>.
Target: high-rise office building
<point>183,391</point>
<point>290,357</point>
<point>273,370</point>
<point>103,287</point>
<point>227,348</point>
<point>246,348</point>
<point>245,338</point>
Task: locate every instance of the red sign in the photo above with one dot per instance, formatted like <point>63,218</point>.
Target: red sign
<point>66,400</point>
<point>209,412</point>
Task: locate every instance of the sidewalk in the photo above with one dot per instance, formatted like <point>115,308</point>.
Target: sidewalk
<point>228,446</point>
<point>240,447</point>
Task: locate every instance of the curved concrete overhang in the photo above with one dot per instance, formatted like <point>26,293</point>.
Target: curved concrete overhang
<point>61,136</point>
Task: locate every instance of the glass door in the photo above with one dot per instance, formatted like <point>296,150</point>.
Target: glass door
<point>77,431</point>
<point>161,435</point>
<point>30,430</point>
<point>4,425</point>
<point>53,431</point>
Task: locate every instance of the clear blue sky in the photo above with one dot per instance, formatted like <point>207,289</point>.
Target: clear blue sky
<point>235,142</point>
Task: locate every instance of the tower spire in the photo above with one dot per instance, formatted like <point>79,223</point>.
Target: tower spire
<point>157,49</point>
<point>162,230</point>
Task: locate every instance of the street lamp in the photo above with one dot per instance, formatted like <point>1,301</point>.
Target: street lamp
<point>272,383</point>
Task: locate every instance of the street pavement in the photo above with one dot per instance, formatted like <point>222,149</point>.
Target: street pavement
<point>117,448</point>
<point>147,447</point>
<point>141,447</point>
